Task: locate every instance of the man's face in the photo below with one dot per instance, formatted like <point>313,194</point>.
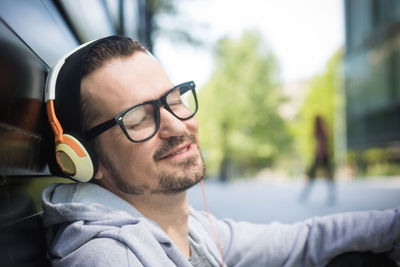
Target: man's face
<point>170,162</point>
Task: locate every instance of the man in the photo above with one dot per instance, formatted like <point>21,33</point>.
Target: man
<point>135,212</point>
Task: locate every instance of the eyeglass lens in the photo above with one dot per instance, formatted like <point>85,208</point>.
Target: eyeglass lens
<point>140,122</point>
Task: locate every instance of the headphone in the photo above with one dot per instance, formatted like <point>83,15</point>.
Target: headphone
<point>73,155</point>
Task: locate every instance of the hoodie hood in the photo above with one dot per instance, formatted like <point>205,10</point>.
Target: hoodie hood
<point>74,214</point>
<point>63,203</point>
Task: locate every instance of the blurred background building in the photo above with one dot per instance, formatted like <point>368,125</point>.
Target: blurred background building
<point>372,80</point>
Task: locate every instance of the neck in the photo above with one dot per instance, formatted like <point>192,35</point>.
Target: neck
<point>171,212</point>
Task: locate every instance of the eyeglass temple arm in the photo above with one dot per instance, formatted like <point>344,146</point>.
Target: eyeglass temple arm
<point>99,129</point>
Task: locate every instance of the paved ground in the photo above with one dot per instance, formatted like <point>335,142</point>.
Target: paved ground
<point>262,201</point>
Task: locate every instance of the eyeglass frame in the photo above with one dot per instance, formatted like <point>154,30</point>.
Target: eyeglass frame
<point>159,102</point>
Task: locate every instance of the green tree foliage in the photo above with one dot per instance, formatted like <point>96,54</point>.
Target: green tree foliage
<point>322,99</point>
<point>239,123</point>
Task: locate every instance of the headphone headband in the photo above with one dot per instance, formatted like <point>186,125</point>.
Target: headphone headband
<point>50,89</point>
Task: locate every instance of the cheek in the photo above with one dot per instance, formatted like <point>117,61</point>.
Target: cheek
<point>138,157</point>
<point>119,149</point>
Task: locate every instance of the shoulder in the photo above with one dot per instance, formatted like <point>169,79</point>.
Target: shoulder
<point>100,252</point>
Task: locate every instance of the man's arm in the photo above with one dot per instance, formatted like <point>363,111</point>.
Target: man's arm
<point>313,242</point>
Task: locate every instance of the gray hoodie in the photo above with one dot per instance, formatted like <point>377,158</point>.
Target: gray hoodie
<point>87,225</point>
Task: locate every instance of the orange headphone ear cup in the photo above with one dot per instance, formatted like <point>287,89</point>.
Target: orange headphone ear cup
<point>76,158</point>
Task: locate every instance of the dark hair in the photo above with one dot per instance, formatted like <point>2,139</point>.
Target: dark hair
<point>99,54</point>
<point>113,47</point>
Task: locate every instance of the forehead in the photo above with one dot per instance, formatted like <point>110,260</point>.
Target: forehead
<point>126,81</point>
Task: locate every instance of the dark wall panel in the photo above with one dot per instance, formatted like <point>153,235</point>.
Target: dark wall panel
<point>21,117</point>
<point>22,239</point>
<point>40,26</point>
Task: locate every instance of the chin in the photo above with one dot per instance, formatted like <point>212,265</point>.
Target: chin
<point>181,180</point>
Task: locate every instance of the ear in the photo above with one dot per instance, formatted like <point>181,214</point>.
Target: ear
<point>100,172</point>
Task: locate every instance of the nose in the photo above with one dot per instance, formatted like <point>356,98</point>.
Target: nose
<point>170,125</point>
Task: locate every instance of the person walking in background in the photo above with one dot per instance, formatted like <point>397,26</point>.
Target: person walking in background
<point>321,161</point>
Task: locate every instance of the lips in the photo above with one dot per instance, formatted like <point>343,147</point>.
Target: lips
<point>173,146</point>
<point>179,150</point>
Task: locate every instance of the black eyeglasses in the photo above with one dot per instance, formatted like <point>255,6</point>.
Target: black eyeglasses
<point>142,121</point>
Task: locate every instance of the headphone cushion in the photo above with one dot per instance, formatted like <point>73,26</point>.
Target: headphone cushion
<point>76,158</point>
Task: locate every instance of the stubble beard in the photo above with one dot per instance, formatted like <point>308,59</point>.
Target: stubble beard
<point>187,172</point>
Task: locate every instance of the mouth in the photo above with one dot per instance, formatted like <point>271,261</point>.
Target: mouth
<point>179,152</point>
